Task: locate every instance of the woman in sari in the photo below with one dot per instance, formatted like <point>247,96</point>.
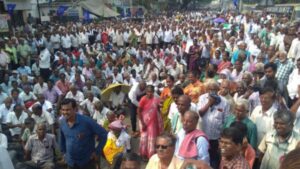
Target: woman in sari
<point>225,63</point>
<point>150,122</point>
<point>166,101</point>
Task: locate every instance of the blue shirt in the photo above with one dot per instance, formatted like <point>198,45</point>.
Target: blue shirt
<point>235,56</point>
<point>78,142</point>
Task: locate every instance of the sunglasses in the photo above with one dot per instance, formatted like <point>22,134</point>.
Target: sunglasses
<point>161,146</point>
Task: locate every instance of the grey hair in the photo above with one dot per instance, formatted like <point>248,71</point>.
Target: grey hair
<point>248,74</point>
<point>242,102</point>
<point>170,137</point>
<point>212,83</point>
<point>285,115</point>
<point>43,124</point>
<point>242,83</point>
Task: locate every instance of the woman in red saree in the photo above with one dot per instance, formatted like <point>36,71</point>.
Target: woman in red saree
<point>150,121</point>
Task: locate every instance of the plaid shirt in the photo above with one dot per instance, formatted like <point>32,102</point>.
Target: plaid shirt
<point>214,118</point>
<point>284,70</point>
<point>238,162</point>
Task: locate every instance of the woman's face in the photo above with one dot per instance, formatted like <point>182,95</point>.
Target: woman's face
<point>149,92</point>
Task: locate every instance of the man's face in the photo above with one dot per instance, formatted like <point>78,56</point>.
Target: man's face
<point>188,123</point>
<point>18,109</point>
<point>212,89</point>
<point>224,88</point>
<point>182,105</point>
<point>282,57</point>
<point>270,73</point>
<point>130,165</point>
<point>228,147</point>
<point>266,99</point>
<point>67,111</point>
<point>41,131</point>
<point>164,149</point>
<point>192,79</point>
<point>282,128</point>
<point>247,79</point>
<point>240,112</point>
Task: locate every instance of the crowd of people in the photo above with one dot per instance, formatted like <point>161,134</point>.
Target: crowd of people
<point>205,90</point>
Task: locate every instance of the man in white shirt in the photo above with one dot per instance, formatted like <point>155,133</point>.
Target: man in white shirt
<point>117,77</point>
<point>177,110</point>
<point>126,35</point>
<point>75,94</point>
<point>168,35</point>
<point>135,94</point>
<point>41,116</point>
<point>66,42</point>
<point>44,63</point>
<point>40,86</point>
<point>148,35</point>
<point>88,105</point>
<point>55,40</point>
<point>46,105</point>
<point>262,115</point>
<point>15,120</point>
<point>294,51</point>
<point>5,108</point>
<point>213,109</point>
<point>117,99</point>
<point>100,112</point>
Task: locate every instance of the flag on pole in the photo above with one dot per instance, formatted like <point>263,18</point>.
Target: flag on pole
<point>236,3</point>
<point>61,10</point>
<point>10,8</point>
<point>86,15</point>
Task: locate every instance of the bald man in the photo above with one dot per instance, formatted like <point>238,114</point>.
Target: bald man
<point>184,104</point>
<point>186,146</point>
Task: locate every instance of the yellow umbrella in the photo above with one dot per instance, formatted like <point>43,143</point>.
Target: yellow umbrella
<point>105,94</point>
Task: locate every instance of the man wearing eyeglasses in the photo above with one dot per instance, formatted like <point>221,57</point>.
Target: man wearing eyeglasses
<point>276,144</point>
<point>40,147</point>
<point>164,157</point>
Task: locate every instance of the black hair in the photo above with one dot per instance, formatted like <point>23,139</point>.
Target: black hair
<point>177,90</point>
<point>234,134</point>
<point>240,126</point>
<point>273,66</point>
<point>267,90</point>
<point>284,115</point>
<point>132,157</point>
<point>16,105</point>
<point>29,120</point>
<point>171,77</point>
<point>120,112</point>
<point>194,73</point>
<point>151,87</point>
<point>272,83</point>
<point>68,101</point>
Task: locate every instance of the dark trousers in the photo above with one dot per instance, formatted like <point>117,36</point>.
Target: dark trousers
<point>133,113</point>
<point>90,165</point>
<point>214,154</point>
<point>45,73</point>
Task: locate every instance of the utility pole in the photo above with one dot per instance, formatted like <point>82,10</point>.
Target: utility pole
<point>39,12</point>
